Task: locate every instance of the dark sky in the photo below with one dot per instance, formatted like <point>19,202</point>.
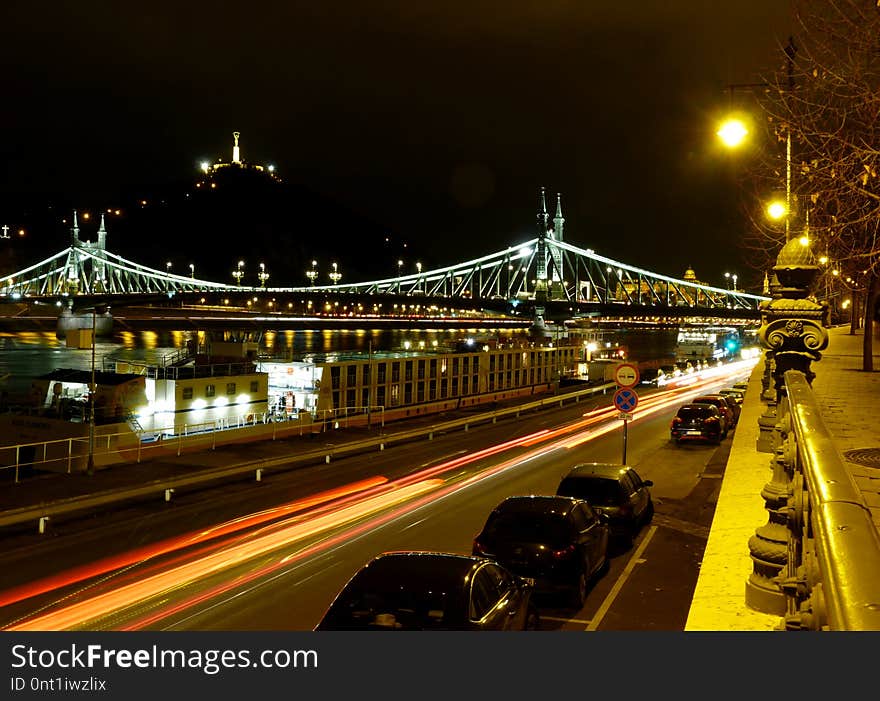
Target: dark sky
<point>438,119</point>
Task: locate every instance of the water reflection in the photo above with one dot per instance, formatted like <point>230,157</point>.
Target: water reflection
<point>29,354</point>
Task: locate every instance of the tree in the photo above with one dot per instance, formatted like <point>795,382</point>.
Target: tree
<point>825,101</point>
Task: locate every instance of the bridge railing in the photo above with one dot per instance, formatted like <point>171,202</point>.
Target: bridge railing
<point>831,580</point>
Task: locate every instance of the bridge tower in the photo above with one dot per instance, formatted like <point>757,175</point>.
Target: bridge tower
<point>556,276</point>
<point>541,254</point>
<point>538,329</point>
<point>74,231</point>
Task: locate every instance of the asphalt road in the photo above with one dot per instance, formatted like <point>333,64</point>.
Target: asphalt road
<point>281,570</point>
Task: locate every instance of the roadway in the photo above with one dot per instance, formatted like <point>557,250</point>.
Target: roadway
<point>288,544</point>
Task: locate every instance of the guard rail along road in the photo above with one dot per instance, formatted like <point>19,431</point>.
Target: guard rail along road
<point>261,466</point>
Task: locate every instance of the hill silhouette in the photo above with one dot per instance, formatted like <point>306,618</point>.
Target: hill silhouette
<point>213,221</point>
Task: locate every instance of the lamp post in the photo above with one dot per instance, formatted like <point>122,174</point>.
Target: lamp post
<point>238,272</point>
<point>419,281</point>
<point>168,267</point>
<point>733,133</point>
<point>263,275</point>
<point>90,462</point>
<point>192,271</point>
<point>312,273</point>
<point>335,275</point>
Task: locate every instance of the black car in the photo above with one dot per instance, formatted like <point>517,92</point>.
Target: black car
<point>417,590</point>
<point>697,422</point>
<point>559,542</point>
<point>616,491</point>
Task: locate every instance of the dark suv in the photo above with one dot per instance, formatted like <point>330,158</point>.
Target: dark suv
<point>701,422</point>
<point>614,490</point>
<point>558,542</point>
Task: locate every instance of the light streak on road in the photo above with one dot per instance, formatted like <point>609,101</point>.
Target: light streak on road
<point>104,604</point>
<point>165,547</point>
<point>417,489</point>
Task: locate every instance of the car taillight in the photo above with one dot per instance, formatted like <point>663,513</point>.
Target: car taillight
<point>676,420</point>
<point>565,552</point>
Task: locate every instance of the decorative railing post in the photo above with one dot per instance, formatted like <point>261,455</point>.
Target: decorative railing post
<point>793,334</point>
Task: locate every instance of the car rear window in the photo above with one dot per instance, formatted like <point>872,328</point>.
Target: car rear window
<point>595,490</point>
<point>530,528</point>
<point>695,412</point>
<point>391,610</point>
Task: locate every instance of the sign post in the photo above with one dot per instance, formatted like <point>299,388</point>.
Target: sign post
<point>625,398</point>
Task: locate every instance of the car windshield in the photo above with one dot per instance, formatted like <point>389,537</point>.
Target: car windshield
<point>529,528</point>
<point>597,491</point>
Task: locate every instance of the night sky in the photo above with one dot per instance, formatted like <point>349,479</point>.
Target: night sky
<point>436,121</point>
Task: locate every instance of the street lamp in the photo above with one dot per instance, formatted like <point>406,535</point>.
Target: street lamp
<point>192,271</point>
<point>312,273</point>
<point>335,275</point>
<point>419,281</point>
<point>168,267</point>
<point>777,210</point>
<point>238,272</point>
<point>263,275</point>
<point>732,132</point>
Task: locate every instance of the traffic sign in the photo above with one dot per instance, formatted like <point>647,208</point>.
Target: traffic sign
<point>626,400</point>
<point>626,375</point>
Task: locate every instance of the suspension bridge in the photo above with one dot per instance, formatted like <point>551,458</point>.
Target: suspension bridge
<point>534,277</point>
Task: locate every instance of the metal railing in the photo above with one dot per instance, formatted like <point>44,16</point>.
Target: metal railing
<point>831,580</point>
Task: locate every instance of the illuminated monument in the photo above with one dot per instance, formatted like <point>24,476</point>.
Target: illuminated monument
<point>237,164</point>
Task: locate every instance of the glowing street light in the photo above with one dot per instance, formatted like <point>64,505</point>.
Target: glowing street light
<point>263,275</point>
<point>312,273</point>
<point>192,271</point>
<point>335,275</point>
<point>168,267</point>
<point>732,132</point>
<point>777,210</point>
<point>238,272</point>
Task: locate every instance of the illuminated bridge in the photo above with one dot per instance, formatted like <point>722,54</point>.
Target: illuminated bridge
<point>544,275</point>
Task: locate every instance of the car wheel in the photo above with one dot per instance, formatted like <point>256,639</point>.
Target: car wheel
<point>533,620</point>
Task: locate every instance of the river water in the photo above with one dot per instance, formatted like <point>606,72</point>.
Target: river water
<point>28,354</point>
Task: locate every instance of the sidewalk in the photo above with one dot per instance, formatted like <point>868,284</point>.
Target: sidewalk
<point>847,397</point>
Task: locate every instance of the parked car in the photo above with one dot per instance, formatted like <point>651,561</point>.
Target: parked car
<point>732,405</point>
<point>697,422</point>
<point>616,491</point>
<point>741,385</point>
<point>723,407</point>
<point>432,591</point>
<point>736,394</point>
<point>559,542</point>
